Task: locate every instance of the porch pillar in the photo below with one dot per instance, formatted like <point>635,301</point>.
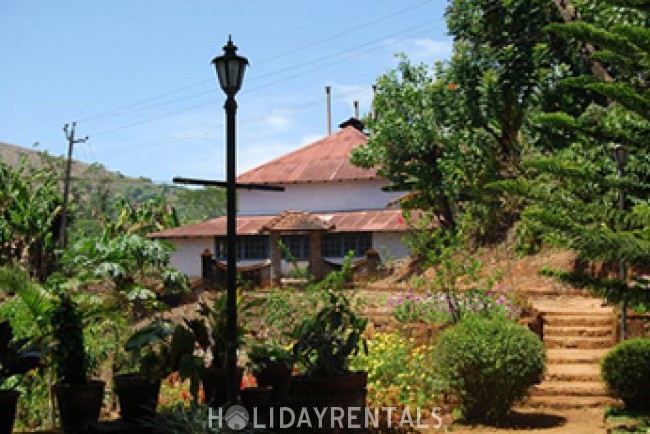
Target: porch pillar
<point>276,258</point>
<point>208,273</point>
<point>315,254</point>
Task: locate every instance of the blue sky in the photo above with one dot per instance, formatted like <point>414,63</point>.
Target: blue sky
<point>136,75</point>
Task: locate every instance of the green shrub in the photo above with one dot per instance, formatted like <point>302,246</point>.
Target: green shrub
<point>489,364</point>
<point>626,370</point>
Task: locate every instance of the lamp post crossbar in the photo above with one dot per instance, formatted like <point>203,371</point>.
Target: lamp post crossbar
<point>224,184</point>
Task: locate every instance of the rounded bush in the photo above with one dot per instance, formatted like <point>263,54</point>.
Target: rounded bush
<point>488,364</point>
<point>626,370</point>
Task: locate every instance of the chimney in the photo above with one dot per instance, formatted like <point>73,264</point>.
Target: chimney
<point>328,93</point>
<point>374,95</point>
<point>355,104</point>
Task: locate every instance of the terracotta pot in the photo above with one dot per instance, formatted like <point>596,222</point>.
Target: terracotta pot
<point>278,376</point>
<point>8,401</point>
<point>215,385</point>
<point>344,391</point>
<point>138,396</point>
<point>79,405</point>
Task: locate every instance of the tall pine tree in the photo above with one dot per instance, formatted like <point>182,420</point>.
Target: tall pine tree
<point>572,194</point>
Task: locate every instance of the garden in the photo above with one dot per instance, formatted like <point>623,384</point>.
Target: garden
<point>533,135</point>
<point>66,349</point>
<point>69,358</point>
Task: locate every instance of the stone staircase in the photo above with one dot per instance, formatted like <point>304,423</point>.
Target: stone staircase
<point>578,332</point>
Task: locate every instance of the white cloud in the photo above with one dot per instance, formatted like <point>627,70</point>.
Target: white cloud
<point>278,120</point>
<point>425,50</point>
<point>262,151</point>
<point>432,49</point>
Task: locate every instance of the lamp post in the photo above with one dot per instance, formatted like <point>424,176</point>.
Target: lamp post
<point>621,155</point>
<point>230,71</point>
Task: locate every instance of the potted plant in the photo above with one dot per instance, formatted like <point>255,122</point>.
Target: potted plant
<point>16,359</point>
<point>324,346</point>
<point>79,399</point>
<point>271,363</point>
<point>210,332</point>
<point>149,349</point>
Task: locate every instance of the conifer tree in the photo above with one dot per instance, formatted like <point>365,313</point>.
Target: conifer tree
<point>572,194</point>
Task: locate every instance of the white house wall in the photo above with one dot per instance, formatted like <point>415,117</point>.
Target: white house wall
<point>317,197</point>
<point>187,257</point>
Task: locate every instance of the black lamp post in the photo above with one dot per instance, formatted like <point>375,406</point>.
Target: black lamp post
<point>621,155</point>
<point>230,71</point>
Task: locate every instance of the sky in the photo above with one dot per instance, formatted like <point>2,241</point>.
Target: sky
<point>136,75</point>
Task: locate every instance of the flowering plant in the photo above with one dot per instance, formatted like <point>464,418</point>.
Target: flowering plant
<point>399,372</point>
<point>434,308</point>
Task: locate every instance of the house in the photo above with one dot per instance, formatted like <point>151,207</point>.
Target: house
<point>328,208</point>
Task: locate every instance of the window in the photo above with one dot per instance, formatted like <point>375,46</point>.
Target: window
<point>298,245</point>
<point>248,247</point>
<point>338,245</point>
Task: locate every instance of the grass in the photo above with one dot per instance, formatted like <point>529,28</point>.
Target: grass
<point>621,420</point>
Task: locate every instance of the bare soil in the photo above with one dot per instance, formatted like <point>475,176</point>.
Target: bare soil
<point>584,421</point>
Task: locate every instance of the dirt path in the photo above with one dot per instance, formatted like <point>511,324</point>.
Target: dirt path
<point>584,421</point>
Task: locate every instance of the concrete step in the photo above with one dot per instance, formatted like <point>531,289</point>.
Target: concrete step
<point>567,331</point>
<point>573,320</point>
<point>569,402</point>
<point>554,310</point>
<point>573,372</point>
<point>578,342</point>
<point>561,356</point>
<point>569,388</point>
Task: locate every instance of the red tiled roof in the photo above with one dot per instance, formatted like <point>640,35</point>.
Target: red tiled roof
<point>325,160</point>
<point>249,225</point>
<point>387,220</point>
<point>296,221</point>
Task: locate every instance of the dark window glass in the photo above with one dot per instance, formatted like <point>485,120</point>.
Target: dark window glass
<point>248,248</point>
<point>298,245</point>
<point>338,245</point>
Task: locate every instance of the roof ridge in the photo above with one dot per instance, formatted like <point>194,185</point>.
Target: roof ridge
<point>306,148</point>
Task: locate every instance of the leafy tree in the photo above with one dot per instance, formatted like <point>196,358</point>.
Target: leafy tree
<point>443,133</point>
<point>143,218</point>
<point>195,205</point>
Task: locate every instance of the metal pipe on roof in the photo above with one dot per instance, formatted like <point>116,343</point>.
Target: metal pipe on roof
<point>374,95</point>
<point>328,93</point>
<point>355,104</point>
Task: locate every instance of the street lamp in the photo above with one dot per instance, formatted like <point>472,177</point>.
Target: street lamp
<point>230,71</point>
<point>621,155</point>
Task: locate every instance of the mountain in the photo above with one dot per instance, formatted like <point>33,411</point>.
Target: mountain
<point>94,188</point>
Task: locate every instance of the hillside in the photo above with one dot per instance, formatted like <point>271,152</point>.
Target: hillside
<point>94,188</point>
<point>93,174</point>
